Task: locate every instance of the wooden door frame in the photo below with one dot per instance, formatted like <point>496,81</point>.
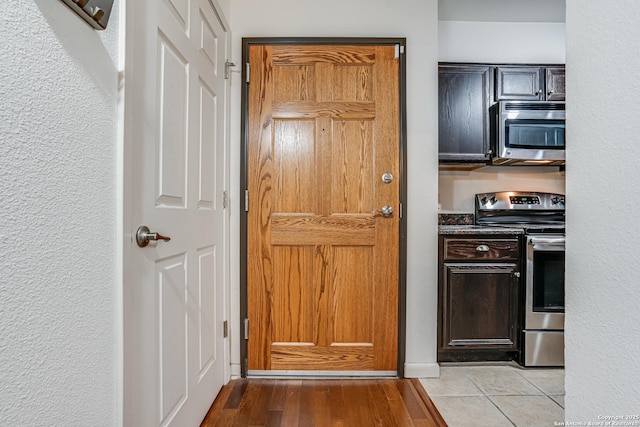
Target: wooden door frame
<point>247,42</point>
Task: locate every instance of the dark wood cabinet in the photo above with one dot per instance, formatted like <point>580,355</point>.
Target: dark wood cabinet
<point>519,83</point>
<point>464,96</point>
<point>530,83</point>
<point>555,87</point>
<point>479,292</point>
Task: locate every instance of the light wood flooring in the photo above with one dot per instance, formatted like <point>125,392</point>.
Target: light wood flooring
<point>323,402</point>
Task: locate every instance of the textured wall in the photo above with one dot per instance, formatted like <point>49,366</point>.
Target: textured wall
<point>417,20</point>
<point>58,83</point>
<point>603,288</point>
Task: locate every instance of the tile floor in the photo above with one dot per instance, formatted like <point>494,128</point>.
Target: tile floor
<point>498,395</point>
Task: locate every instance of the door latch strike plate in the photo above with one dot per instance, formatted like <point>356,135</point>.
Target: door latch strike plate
<point>227,69</point>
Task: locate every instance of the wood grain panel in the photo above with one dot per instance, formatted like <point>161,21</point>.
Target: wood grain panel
<point>293,298</point>
<point>353,295</point>
<point>318,54</point>
<point>386,254</point>
<point>294,165</point>
<point>337,110</point>
<point>352,179</point>
<point>479,302</point>
<point>294,83</point>
<point>259,182</point>
<point>353,83</point>
<point>469,249</point>
<point>321,230</point>
<point>283,357</point>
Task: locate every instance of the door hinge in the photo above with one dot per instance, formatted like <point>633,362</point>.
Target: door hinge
<point>225,329</point>
<point>401,211</point>
<point>246,200</point>
<point>399,50</point>
<point>246,329</point>
<point>227,69</point>
<point>246,366</point>
<point>248,70</point>
<point>225,199</point>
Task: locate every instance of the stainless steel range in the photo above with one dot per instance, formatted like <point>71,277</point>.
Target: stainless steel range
<point>542,218</point>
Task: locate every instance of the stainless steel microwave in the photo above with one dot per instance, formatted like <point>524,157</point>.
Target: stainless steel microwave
<point>528,133</point>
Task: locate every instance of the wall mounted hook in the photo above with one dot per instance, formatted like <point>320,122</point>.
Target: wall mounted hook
<point>94,12</point>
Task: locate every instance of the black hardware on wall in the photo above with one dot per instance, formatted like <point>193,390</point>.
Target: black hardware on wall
<point>94,12</point>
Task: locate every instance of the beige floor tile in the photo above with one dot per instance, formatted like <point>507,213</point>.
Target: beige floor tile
<point>470,411</point>
<point>493,381</point>
<point>559,399</point>
<point>450,385</point>
<point>550,381</point>
<point>530,411</point>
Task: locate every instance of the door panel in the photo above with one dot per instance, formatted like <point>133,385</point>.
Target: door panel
<point>323,127</point>
<point>174,179</point>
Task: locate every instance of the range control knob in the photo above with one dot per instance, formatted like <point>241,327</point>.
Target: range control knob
<point>493,200</point>
<point>557,200</point>
<point>483,201</point>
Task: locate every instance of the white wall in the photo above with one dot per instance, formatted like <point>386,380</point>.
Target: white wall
<point>502,10</point>
<point>603,289</point>
<point>58,139</point>
<point>501,42</point>
<point>457,188</point>
<point>417,21</point>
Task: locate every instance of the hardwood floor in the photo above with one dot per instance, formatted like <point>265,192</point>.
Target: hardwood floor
<point>323,402</point>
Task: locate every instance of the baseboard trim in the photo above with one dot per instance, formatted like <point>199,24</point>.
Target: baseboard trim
<point>320,374</point>
<point>421,370</point>
<point>235,371</point>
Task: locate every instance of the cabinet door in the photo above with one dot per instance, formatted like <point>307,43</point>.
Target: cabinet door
<point>479,306</point>
<point>555,88</point>
<point>519,83</point>
<point>463,107</point>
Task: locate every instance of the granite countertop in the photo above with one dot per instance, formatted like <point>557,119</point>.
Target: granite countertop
<point>478,229</point>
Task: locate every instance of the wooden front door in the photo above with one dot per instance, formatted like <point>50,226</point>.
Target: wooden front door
<point>322,260</point>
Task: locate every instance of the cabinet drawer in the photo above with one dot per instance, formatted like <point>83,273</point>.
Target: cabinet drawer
<point>480,249</point>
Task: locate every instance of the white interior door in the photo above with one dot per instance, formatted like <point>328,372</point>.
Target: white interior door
<point>174,179</point>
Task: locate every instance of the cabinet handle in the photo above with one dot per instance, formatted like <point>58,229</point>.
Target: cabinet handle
<point>516,273</point>
<point>550,92</point>
<point>482,248</point>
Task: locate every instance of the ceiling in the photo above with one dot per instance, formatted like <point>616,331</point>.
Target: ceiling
<point>502,10</point>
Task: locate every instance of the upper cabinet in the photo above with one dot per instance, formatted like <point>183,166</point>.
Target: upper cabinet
<point>554,81</point>
<point>530,83</point>
<point>467,91</point>
<point>464,97</point>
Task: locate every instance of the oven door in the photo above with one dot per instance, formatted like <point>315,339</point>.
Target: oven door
<point>545,283</point>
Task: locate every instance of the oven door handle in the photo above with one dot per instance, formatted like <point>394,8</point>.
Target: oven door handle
<point>542,243</point>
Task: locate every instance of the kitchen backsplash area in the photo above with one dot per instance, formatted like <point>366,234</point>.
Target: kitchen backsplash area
<point>457,188</point>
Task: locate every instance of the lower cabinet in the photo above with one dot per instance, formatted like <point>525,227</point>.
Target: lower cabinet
<point>478,303</point>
